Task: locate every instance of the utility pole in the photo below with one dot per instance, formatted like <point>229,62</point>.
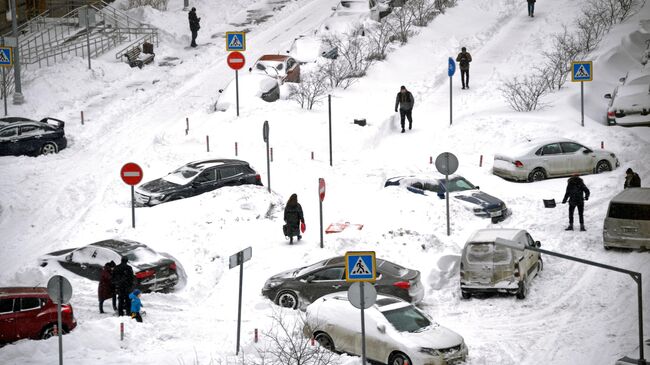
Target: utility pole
<point>18,95</point>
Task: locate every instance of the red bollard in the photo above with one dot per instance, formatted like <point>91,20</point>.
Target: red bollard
<point>122,331</point>
<point>236,152</point>
<point>480,162</point>
<point>256,338</point>
<point>312,155</point>
<point>82,117</point>
<point>312,341</point>
<point>187,126</point>
<point>271,154</point>
<point>602,145</point>
<point>207,142</point>
<point>430,160</point>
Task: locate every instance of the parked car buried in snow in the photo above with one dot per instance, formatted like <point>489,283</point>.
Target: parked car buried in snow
<point>489,268</point>
<point>253,88</point>
<point>480,203</point>
<point>350,14</point>
<point>28,312</point>
<point>196,178</point>
<point>397,332</point>
<point>282,67</point>
<point>629,103</point>
<point>537,160</point>
<point>627,224</point>
<point>298,287</point>
<point>22,136</point>
<point>306,49</point>
<point>153,271</point>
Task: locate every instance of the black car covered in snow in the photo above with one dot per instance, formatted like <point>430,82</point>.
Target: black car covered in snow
<point>196,178</point>
<point>22,136</point>
<point>153,271</point>
<point>480,203</point>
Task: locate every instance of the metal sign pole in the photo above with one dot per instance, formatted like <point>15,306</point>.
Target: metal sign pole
<point>363,324</point>
<point>582,103</point>
<point>58,314</point>
<point>88,33</point>
<point>329,107</point>
<point>240,259</point>
<point>237,90</point>
<point>132,206</point>
<point>4,89</point>
<point>450,99</point>
<point>447,198</point>
<point>18,93</point>
<point>320,209</point>
<point>268,165</point>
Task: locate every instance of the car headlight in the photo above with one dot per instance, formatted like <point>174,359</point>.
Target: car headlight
<point>429,351</point>
<point>270,284</point>
<point>478,210</point>
<point>158,196</point>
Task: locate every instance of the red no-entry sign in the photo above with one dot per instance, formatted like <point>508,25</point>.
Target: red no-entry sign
<point>236,60</point>
<point>131,174</point>
<point>321,188</point>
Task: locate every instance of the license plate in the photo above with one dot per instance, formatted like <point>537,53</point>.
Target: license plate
<point>496,214</point>
<point>630,229</point>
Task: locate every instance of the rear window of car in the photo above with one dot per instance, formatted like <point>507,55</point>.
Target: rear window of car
<point>488,252</point>
<point>9,132</point>
<point>570,147</point>
<point>142,254</point>
<point>391,269</point>
<point>29,303</point>
<point>6,305</point>
<point>230,171</point>
<point>629,211</point>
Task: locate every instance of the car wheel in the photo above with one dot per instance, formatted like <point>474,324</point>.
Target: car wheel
<point>325,341</point>
<point>607,248</point>
<point>540,264</point>
<point>287,299</point>
<point>603,166</point>
<point>177,197</point>
<point>465,294</point>
<point>523,289</point>
<point>399,358</point>
<point>537,174</point>
<point>49,148</point>
<point>47,332</point>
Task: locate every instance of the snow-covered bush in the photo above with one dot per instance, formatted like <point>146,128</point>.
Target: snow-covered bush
<point>423,11</point>
<point>442,5</point>
<point>380,39</point>
<point>354,59</point>
<point>401,22</point>
<point>156,4</point>
<point>557,62</point>
<point>523,94</point>
<point>311,90</point>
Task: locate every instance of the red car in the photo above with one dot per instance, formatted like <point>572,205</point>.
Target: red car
<point>27,312</point>
<point>282,67</point>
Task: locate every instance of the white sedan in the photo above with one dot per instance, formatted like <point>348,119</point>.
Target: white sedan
<point>541,159</point>
<point>252,89</point>
<point>397,332</point>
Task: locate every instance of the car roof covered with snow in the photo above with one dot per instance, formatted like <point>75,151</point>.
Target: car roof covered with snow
<point>491,234</point>
<point>633,196</point>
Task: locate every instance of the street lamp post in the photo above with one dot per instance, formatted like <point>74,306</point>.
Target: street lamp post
<point>636,276</point>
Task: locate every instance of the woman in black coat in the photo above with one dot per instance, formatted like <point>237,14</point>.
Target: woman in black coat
<point>293,217</point>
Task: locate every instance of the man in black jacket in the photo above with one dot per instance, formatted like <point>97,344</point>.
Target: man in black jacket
<point>123,279</point>
<point>632,179</point>
<point>194,25</point>
<point>405,101</point>
<point>531,8</point>
<point>574,193</point>
<point>463,59</point>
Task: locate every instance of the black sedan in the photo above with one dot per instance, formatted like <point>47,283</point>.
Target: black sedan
<point>22,136</point>
<point>480,203</point>
<point>196,178</point>
<point>299,287</point>
<point>153,271</point>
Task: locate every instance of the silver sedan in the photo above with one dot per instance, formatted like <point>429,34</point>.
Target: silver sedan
<point>541,159</point>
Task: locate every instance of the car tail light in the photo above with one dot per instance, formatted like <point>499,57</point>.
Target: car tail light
<point>258,178</point>
<point>518,164</point>
<point>66,309</point>
<point>145,274</point>
<point>172,266</point>
<point>516,274</point>
<point>402,284</point>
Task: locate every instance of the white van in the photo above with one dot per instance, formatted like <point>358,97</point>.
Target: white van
<point>627,224</point>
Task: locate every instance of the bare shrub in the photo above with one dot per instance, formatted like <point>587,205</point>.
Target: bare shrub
<point>423,11</point>
<point>401,21</point>
<point>285,344</point>
<point>380,40</point>
<point>156,4</point>
<point>557,64</point>
<point>523,94</point>
<point>311,89</point>
<point>354,59</point>
<point>442,5</point>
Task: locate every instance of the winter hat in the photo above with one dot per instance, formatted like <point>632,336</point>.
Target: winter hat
<point>629,171</point>
<point>463,49</point>
<point>402,87</point>
<point>193,9</point>
<point>124,259</point>
<point>137,292</point>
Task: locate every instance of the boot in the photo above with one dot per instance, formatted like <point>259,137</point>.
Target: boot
<point>291,240</point>
<point>569,228</point>
<point>410,125</point>
<point>299,237</point>
<point>582,228</point>
<point>403,130</point>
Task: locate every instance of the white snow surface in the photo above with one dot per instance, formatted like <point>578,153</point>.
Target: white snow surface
<point>574,314</point>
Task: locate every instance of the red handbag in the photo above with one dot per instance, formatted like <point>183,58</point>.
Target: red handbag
<point>302,227</point>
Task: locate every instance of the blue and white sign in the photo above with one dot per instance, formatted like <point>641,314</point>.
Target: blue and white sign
<point>6,58</point>
<point>581,71</point>
<point>235,41</point>
<point>360,266</point>
<point>452,67</point>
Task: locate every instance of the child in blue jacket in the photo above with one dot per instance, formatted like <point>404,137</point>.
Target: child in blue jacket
<point>136,304</point>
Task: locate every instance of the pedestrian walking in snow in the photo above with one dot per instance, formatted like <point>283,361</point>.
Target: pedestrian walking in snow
<point>464,58</point>
<point>531,8</point>
<point>106,288</point>
<point>632,179</point>
<point>136,305</point>
<point>576,194</point>
<point>194,26</point>
<point>405,101</point>
<point>293,217</point>
<point>123,279</point>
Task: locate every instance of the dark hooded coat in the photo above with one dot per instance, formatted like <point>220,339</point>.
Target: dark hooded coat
<point>576,191</point>
<point>105,290</point>
<point>194,21</point>
<point>293,216</point>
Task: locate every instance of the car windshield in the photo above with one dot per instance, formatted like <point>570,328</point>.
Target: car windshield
<point>182,175</point>
<point>141,254</point>
<point>407,319</point>
<point>307,269</point>
<point>459,184</point>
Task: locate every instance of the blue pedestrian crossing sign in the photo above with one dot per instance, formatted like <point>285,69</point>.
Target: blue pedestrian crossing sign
<point>581,71</point>
<point>235,41</point>
<point>6,59</point>
<point>360,266</point>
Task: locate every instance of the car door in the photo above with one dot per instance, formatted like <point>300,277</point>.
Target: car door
<point>324,281</point>
<point>231,175</point>
<point>28,321</point>
<point>580,158</point>
<point>553,160</point>
<point>9,142</point>
<point>293,70</point>
<point>82,262</point>
<point>30,138</point>
<point>376,342</point>
<point>206,181</point>
<point>7,320</point>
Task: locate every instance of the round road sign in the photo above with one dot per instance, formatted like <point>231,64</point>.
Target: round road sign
<point>265,131</point>
<point>131,174</point>
<point>321,188</point>
<point>446,163</point>
<point>58,286</point>
<point>236,60</point>
<point>451,68</point>
<point>369,295</point>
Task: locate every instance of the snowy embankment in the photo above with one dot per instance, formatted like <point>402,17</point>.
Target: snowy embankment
<point>573,315</point>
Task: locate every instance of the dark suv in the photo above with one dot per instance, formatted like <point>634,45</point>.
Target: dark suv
<point>29,313</point>
<point>196,178</point>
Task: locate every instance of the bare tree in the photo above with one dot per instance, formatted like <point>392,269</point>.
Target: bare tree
<point>557,64</point>
<point>380,40</point>
<point>156,4</point>
<point>311,89</point>
<point>401,22</point>
<point>442,5</point>
<point>523,94</point>
<point>423,11</point>
<point>354,59</point>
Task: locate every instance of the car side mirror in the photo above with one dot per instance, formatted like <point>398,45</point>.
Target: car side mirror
<point>587,150</point>
<point>381,328</point>
<point>69,257</point>
<point>622,79</point>
<point>607,96</point>
<point>478,187</point>
<point>538,244</point>
<point>441,195</point>
<point>250,69</point>
<point>310,278</point>
<point>333,8</point>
